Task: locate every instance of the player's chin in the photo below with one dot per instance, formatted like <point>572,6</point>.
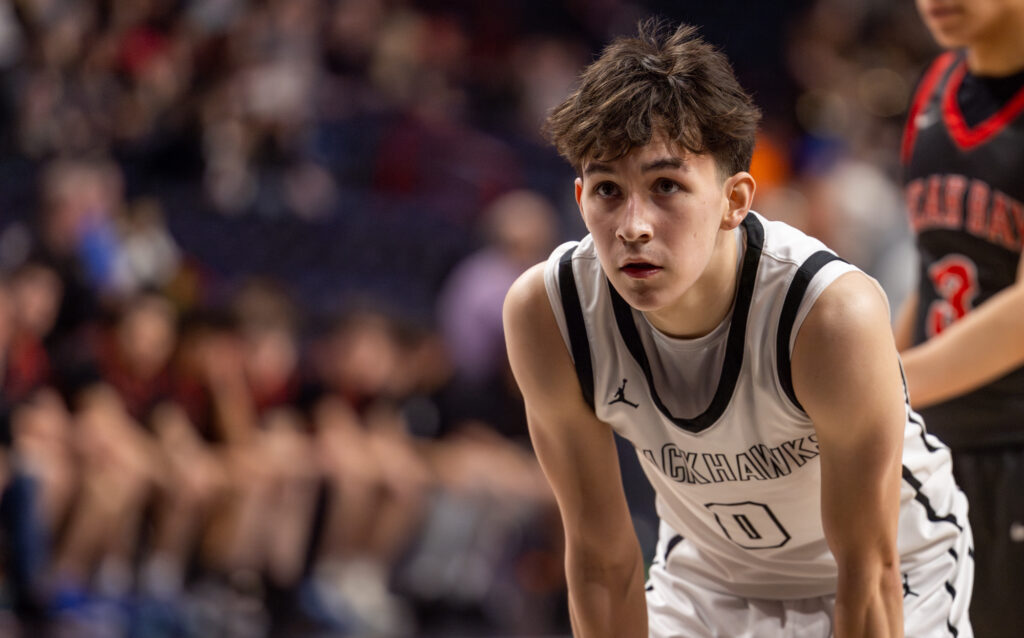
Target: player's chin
<point>643,295</point>
<point>950,36</point>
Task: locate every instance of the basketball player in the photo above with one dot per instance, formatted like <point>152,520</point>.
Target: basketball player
<point>753,371</point>
<point>963,161</point>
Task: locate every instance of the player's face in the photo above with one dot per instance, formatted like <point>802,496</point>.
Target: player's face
<point>657,217</point>
<point>962,23</point>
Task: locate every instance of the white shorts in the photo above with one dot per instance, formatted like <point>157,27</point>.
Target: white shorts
<point>935,601</point>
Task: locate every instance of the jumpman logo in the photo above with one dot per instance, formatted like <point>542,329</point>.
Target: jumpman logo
<point>620,396</point>
<point>907,591</point>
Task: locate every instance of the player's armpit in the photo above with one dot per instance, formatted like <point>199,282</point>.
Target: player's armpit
<point>604,567</point>
<point>846,375</point>
<point>903,324</point>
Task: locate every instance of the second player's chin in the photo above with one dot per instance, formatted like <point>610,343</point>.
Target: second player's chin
<point>951,38</point>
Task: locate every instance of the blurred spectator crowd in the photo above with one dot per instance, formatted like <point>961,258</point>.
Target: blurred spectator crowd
<point>236,469</point>
<point>252,261</point>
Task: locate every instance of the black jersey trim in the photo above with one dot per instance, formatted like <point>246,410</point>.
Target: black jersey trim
<point>575,326</point>
<point>790,308</point>
<point>675,540</point>
<point>953,630</point>
<point>921,498</point>
<point>663,559</point>
<point>733,361</point>
<point>914,417</point>
<point>951,590</point>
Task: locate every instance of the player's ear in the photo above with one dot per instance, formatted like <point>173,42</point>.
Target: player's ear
<point>738,191</point>
<point>579,194</point>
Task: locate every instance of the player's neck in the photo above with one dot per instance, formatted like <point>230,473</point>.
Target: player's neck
<point>1000,52</point>
<point>705,305</point>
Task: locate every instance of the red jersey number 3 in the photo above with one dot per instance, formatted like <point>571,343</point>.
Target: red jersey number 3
<point>956,281</point>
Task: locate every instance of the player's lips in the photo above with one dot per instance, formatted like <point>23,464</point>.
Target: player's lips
<point>943,12</point>
<point>640,269</point>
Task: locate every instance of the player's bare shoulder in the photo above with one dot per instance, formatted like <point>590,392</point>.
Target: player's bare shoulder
<point>845,352</point>
<point>536,350</point>
<point>527,315</point>
<point>526,295</point>
<point>851,307</point>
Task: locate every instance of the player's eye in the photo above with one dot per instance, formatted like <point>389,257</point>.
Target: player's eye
<point>606,189</point>
<point>666,187</point>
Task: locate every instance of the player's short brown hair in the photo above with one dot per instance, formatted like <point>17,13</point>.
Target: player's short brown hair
<point>661,81</point>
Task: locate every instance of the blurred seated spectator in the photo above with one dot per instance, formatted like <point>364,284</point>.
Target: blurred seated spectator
<point>269,326</point>
<point>491,539</point>
<point>36,434</point>
<point>134,357</point>
<point>148,257</point>
<point>518,229</point>
<point>379,481</point>
<point>119,467</point>
<point>34,291</point>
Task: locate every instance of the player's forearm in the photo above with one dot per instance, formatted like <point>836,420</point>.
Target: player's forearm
<point>606,598</point>
<point>869,601</point>
<point>979,348</point>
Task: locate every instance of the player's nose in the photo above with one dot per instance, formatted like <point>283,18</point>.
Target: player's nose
<point>635,224</point>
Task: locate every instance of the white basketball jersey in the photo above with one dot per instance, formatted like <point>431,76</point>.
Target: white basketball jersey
<point>718,429</point>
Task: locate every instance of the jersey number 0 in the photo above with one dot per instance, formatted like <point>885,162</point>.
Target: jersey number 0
<point>750,525</point>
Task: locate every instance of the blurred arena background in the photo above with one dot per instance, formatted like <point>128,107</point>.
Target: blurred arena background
<point>252,260</point>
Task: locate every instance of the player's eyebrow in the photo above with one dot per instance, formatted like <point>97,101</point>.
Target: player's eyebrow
<point>658,164</point>
<point>597,167</point>
<point>665,162</point>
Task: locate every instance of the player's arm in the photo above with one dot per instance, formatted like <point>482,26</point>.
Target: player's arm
<point>603,563</point>
<point>978,348</point>
<point>903,324</point>
<point>846,376</point>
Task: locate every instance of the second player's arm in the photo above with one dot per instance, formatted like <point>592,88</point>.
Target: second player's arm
<point>603,563</point>
<point>846,376</point>
<point>978,348</point>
